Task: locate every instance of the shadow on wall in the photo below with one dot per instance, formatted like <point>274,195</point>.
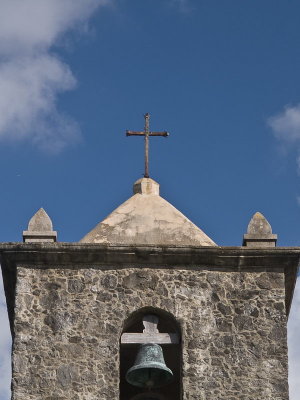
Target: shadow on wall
<point>5,348</point>
<point>294,344</point>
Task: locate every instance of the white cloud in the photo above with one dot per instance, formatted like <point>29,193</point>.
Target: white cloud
<point>294,345</point>
<point>286,125</point>
<point>286,129</point>
<point>29,89</point>
<point>29,25</point>
<point>32,75</point>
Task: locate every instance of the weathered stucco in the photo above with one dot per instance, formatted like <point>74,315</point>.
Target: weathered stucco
<point>147,219</point>
<point>68,322</point>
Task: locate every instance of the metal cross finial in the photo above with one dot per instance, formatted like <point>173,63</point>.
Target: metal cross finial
<point>146,133</point>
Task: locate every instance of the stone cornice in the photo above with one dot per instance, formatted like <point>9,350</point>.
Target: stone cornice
<point>82,255</point>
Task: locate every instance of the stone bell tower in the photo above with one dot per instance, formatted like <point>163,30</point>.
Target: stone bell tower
<point>147,306</point>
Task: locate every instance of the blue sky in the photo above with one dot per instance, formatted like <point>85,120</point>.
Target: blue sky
<point>221,76</point>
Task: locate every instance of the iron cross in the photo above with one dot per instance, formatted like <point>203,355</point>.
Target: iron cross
<point>146,133</point>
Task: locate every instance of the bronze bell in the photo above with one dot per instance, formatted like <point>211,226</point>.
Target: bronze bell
<point>149,370</point>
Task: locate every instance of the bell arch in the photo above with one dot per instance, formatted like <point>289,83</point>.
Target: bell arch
<point>154,331</point>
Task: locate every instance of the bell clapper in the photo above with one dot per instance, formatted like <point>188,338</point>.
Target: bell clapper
<point>149,383</point>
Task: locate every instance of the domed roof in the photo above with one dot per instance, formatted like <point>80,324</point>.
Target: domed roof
<point>147,219</point>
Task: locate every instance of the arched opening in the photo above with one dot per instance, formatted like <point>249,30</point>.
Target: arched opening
<point>159,328</point>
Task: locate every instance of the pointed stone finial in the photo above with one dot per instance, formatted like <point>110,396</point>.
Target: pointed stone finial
<point>259,233</point>
<point>40,228</point>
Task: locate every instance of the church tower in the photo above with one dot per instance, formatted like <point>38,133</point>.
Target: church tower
<point>147,307</point>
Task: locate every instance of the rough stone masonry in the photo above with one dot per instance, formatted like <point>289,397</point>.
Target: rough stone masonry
<point>68,322</point>
<point>68,303</point>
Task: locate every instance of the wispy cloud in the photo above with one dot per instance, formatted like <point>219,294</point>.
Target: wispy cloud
<point>286,125</point>
<point>183,5</point>
<point>294,345</point>
<point>32,75</point>
<point>286,129</point>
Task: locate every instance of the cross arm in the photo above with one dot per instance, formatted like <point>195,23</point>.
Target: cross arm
<point>134,133</point>
<point>159,133</point>
<point>140,338</point>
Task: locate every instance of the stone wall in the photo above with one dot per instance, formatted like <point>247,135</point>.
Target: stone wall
<point>69,321</point>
